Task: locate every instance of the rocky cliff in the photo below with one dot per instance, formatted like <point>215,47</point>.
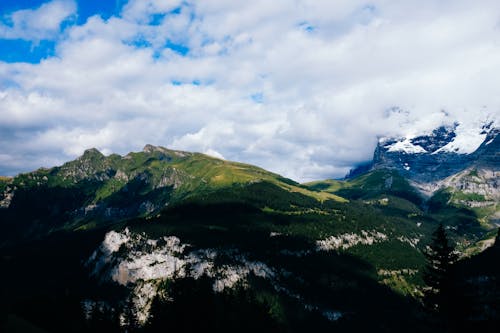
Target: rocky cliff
<point>461,161</point>
<point>440,154</point>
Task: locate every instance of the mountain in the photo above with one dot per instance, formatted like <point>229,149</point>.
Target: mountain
<point>97,189</point>
<point>445,151</point>
<point>458,163</point>
<point>163,237</point>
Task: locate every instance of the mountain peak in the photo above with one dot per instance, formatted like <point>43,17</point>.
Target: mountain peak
<point>457,138</point>
<point>439,153</point>
<point>150,148</point>
<point>173,153</point>
<point>92,152</point>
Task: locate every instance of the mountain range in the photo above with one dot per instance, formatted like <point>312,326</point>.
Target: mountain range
<point>456,161</point>
<point>112,236</point>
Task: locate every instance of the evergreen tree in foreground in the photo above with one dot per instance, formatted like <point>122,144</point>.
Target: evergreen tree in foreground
<point>438,275</point>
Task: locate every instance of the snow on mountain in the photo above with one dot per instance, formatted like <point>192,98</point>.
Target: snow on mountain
<point>405,146</point>
<point>422,143</point>
<point>466,141</point>
<point>459,138</point>
<point>434,155</point>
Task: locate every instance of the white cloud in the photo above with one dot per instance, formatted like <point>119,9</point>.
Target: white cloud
<point>213,153</point>
<point>142,10</point>
<point>37,24</point>
<point>325,73</point>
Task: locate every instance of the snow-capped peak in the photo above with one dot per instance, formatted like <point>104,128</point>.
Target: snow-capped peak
<point>459,138</point>
<point>405,146</point>
<point>467,139</point>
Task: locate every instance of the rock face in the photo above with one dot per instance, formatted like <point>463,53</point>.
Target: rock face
<point>132,260</point>
<point>463,161</point>
<point>92,188</point>
<point>482,181</point>
<point>440,154</point>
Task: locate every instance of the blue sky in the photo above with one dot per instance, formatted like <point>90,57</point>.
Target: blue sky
<point>302,88</point>
<point>22,50</point>
<point>85,8</point>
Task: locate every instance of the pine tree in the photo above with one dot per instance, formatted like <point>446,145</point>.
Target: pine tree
<point>129,316</point>
<point>438,274</point>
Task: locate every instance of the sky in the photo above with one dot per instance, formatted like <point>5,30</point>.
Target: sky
<point>303,88</point>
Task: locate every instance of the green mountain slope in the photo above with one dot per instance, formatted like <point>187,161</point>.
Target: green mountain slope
<point>391,192</point>
<point>475,189</point>
<point>129,228</point>
<point>96,189</point>
<point>370,185</point>
<point>385,221</point>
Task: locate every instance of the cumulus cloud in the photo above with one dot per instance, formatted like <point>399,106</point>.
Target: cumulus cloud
<point>37,24</point>
<point>303,90</point>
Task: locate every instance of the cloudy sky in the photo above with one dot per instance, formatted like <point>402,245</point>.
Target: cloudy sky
<point>300,87</point>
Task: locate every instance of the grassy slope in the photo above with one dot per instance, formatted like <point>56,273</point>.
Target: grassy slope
<point>226,205</point>
<point>400,201</point>
<point>485,213</point>
<point>398,194</point>
<point>369,185</point>
<point>230,205</point>
<point>284,206</point>
<point>211,173</point>
<point>244,218</point>
<point>195,172</point>
<point>64,197</point>
<point>379,201</point>
<point>485,206</point>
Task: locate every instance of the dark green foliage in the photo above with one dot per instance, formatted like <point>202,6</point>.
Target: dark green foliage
<point>379,182</point>
<point>130,322</point>
<point>4,182</point>
<point>402,255</point>
<point>438,275</point>
<point>438,201</point>
<point>479,278</point>
<point>339,282</point>
<point>43,282</point>
<point>463,222</point>
<point>95,190</point>
<point>403,203</point>
<point>319,186</point>
<point>287,181</point>
<point>445,298</point>
<point>103,319</point>
<point>229,206</point>
<point>45,213</point>
<point>333,282</point>
<point>261,194</point>
<point>194,307</point>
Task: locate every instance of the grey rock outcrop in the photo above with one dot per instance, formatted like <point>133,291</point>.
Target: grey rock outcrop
<point>423,159</point>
